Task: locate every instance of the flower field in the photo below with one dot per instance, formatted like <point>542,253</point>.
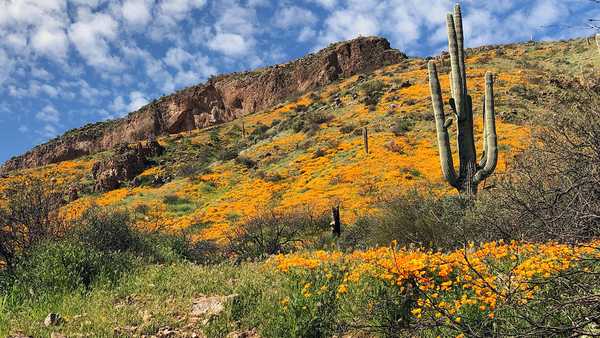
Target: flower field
<point>469,291</point>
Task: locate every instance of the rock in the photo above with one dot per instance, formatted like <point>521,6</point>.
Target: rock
<point>53,319</point>
<point>124,165</point>
<point>207,307</point>
<point>221,99</point>
<point>57,335</point>
<point>243,334</point>
<point>72,193</point>
<point>19,335</point>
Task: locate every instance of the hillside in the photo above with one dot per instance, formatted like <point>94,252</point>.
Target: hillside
<point>308,151</point>
<point>221,99</point>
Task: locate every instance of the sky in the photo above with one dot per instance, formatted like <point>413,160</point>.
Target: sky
<point>65,63</point>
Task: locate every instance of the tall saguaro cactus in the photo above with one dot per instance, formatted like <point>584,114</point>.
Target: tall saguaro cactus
<point>471,172</point>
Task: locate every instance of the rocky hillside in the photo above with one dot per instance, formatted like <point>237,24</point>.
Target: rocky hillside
<point>306,151</point>
<point>221,99</point>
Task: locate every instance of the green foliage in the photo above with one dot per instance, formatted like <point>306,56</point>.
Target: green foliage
<point>63,266</point>
<point>108,231</point>
<point>372,92</point>
<point>414,218</point>
<point>402,125</point>
<point>274,232</point>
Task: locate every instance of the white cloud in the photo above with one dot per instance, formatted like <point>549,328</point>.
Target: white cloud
<point>306,34</point>
<point>177,57</point>
<point>230,44</point>
<point>91,35</point>
<point>48,131</point>
<point>48,114</point>
<point>179,9</point>
<point>137,13</point>
<point>51,42</point>
<point>294,16</point>
<point>136,101</point>
<point>118,105</point>
<point>346,24</point>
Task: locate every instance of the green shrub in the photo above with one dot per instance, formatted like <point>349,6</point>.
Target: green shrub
<point>274,232</point>
<point>402,125</point>
<point>110,230</point>
<point>63,266</point>
<point>415,218</point>
<point>246,161</point>
<point>372,91</point>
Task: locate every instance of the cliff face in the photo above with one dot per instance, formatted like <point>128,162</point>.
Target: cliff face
<point>221,99</point>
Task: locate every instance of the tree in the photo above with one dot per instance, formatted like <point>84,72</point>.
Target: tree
<point>28,215</point>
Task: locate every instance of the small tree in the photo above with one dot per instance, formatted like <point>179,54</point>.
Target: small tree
<point>28,216</point>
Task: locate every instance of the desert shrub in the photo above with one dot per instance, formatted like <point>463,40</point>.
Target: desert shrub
<point>347,128</point>
<point>552,189</point>
<point>414,218</point>
<point>28,215</point>
<point>402,125</point>
<point>112,230</point>
<point>246,161</point>
<point>259,132</point>
<point>108,230</point>
<point>319,117</point>
<point>272,232</point>
<point>61,266</point>
<point>228,153</point>
<point>319,153</point>
<point>372,91</point>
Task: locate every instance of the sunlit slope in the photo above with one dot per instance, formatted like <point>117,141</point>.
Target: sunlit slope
<point>309,152</point>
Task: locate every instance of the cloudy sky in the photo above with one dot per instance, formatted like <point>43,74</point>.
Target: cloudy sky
<point>64,63</point>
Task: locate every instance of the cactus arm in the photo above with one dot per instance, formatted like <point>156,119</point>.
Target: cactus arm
<point>458,26</point>
<point>455,68</point>
<point>483,158</point>
<point>442,132</point>
<point>451,88</point>
<point>490,127</point>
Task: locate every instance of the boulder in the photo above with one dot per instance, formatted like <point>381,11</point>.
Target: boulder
<point>124,165</point>
<point>53,319</point>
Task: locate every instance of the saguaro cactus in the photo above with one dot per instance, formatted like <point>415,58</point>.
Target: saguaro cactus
<point>366,139</point>
<point>471,172</point>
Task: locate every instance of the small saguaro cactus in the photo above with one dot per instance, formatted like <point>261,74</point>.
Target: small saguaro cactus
<point>598,41</point>
<point>336,224</point>
<point>366,139</point>
<point>471,172</point>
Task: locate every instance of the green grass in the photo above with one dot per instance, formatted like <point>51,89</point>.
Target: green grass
<point>165,292</point>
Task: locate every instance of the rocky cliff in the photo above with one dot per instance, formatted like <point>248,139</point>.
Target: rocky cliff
<point>221,99</point>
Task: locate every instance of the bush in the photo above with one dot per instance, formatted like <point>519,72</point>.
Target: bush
<point>108,231</point>
<point>274,232</point>
<point>62,266</point>
<point>372,91</point>
<point>28,215</point>
<point>552,190</point>
<point>402,125</point>
<point>111,231</point>
<point>413,218</point>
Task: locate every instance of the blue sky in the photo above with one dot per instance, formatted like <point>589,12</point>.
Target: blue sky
<point>65,63</point>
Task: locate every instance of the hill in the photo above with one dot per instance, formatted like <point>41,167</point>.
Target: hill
<point>309,152</point>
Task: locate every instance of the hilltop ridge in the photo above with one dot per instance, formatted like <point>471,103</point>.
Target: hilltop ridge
<point>221,99</point>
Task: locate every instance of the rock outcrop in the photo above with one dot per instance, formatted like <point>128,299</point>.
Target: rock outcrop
<point>124,165</point>
<point>221,99</point>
